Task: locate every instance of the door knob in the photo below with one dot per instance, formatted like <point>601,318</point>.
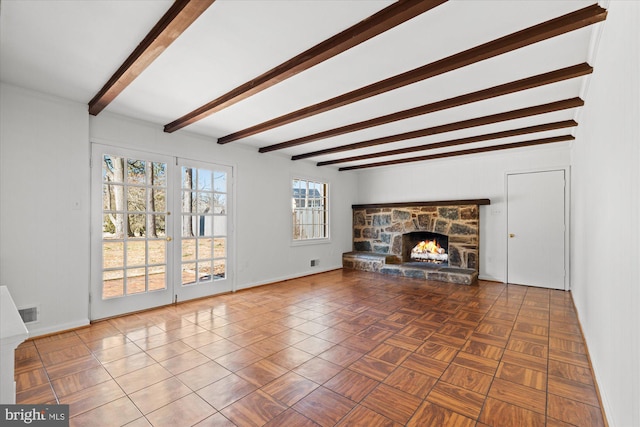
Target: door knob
<point>169,238</point>
<point>511,235</point>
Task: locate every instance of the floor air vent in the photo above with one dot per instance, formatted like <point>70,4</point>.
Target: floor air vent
<point>29,314</point>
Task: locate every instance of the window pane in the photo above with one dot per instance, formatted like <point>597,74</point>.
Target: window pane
<point>189,226</point>
<point>112,168</point>
<point>112,284</point>
<point>113,226</point>
<point>136,199</point>
<point>219,269</point>
<point>309,205</point>
<point>158,200</point>
<point>187,178</point>
<point>157,251</point>
<point>136,171</point>
<point>204,271</point>
<point>136,280</point>
<point>188,273</point>
<point>158,223</point>
<point>220,182</point>
<point>112,255</point>
<point>112,197</point>
<point>220,225</point>
<point>220,203</point>
<point>188,249</point>
<point>157,277</point>
<point>220,247</point>
<point>136,252</point>
<point>159,174</point>
<point>137,225</point>
<point>205,248</point>
<point>203,203</point>
<point>204,180</point>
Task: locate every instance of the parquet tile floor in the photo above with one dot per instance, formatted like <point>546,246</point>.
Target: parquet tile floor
<point>342,348</point>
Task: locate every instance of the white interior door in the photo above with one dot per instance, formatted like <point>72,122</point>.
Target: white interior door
<point>536,229</point>
<point>131,264</point>
<point>204,226</point>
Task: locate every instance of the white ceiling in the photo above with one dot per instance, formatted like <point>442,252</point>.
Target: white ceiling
<point>71,48</point>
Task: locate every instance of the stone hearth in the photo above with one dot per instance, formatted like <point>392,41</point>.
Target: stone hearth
<point>378,232</point>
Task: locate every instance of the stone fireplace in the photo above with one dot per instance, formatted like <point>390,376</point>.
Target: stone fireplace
<point>384,236</point>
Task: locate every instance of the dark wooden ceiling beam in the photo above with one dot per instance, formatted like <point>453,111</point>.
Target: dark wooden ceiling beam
<point>554,27</point>
<point>454,142</point>
<point>481,95</point>
<point>180,15</point>
<point>387,18</point>
<point>449,127</point>
<point>542,141</point>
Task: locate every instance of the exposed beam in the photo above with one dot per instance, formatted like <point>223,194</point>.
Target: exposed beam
<point>554,27</point>
<point>464,152</point>
<point>387,18</point>
<point>481,95</point>
<point>454,142</point>
<point>449,127</point>
<point>180,15</point>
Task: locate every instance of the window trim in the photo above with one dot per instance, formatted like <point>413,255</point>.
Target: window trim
<point>327,210</point>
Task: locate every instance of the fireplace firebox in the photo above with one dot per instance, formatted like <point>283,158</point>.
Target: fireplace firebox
<point>425,246</point>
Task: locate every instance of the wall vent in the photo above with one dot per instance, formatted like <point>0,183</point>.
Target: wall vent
<point>30,314</point>
<point>315,262</point>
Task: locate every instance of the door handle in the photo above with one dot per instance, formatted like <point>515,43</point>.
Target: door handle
<point>511,235</point>
<point>169,238</point>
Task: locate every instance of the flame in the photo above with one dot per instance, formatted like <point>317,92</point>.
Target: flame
<point>429,246</point>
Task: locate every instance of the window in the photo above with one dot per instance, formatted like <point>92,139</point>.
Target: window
<point>310,210</point>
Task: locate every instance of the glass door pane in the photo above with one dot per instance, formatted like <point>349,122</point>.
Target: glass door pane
<point>204,235</point>
<point>132,257</point>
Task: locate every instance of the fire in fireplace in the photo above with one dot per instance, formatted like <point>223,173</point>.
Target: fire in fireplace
<point>425,247</point>
<point>429,251</point>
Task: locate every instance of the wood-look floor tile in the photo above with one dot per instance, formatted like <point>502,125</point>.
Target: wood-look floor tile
<point>71,367</point>
<point>324,406</point>
<point>28,379</point>
<point>531,328</point>
<point>333,335</point>
<point>225,391</point>
<point>351,384</point>
<point>429,414</point>
<point>261,372</point>
<point>215,420</point>
<point>525,360</point>
<point>437,351</point>
<point>478,363</point>
<point>290,358</point>
<point>571,372</point>
<point>411,382</point>
<point>418,332</point>
<point>255,409</point>
<point>403,341</point>
<point>457,399</point>
<point>584,393</point>
<point>51,345</point>
<point>36,395</point>
<point>314,345</point>
<point>426,365</point>
<point>519,395</point>
<point>201,339</point>
<point>115,353</point>
<point>27,364</point>
<point>498,413</point>
<point>524,376</point>
<point>58,356</point>
<point>80,380</point>
<point>128,364</point>
<point>569,357</point>
<point>290,418</point>
<point>159,394</point>
<point>290,388</point>
<point>238,359</point>
<point>168,351</point>
<point>185,411</point>
<point>184,361</point>
<point>392,403</point>
<point>389,353</point>
<point>203,375</point>
<point>573,412</point>
<point>92,397</point>
<point>142,378</point>
<point>318,370</point>
<point>341,355</point>
<point>116,413</point>
<point>373,368</point>
<point>363,416</point>
<point>467,378</point>
<point>359,343</point>
<point>528,347</point>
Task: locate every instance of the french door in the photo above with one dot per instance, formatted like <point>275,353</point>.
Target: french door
<point>160,230</point>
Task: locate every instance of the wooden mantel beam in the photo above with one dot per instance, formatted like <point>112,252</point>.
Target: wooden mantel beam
<point>180,15</point>
<point>389,17</point>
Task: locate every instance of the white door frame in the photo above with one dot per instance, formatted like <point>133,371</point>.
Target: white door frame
<point>567,218</point>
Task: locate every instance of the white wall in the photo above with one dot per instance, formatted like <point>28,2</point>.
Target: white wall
<point>606,187</point>
<point>44,206</point>
<point>263,198</point>
<point>467,177</point>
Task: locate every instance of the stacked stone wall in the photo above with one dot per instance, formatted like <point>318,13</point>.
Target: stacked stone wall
<point>380,230</point>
